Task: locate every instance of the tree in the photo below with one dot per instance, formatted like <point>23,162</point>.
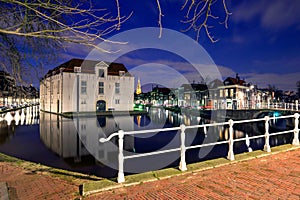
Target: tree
<point>30,30</point>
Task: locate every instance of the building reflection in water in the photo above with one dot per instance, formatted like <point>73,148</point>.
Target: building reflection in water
<point>10,120</point>
<point>74,139</point>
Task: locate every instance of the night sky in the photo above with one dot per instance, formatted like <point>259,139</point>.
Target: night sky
<point>261,44</point>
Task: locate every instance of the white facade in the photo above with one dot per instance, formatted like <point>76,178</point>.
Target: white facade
<point>87,86</point>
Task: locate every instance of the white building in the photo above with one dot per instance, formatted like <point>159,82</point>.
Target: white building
<point>87,86</point>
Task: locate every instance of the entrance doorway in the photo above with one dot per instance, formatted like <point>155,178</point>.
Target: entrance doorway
<point>101,105</point>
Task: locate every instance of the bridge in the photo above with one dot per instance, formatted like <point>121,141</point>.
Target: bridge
<point>268,121</point>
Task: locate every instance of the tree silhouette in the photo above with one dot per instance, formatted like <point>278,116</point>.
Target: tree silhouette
<point>32,30</point>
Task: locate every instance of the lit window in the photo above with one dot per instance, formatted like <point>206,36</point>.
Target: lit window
<point>101,88</point>
<point>83,87</point>
<point>221,93</point>
<point>231,92</point>
<point>117,88</point>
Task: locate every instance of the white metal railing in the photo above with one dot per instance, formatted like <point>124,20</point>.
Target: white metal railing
<point>183,148</point>
<point>276,105</point>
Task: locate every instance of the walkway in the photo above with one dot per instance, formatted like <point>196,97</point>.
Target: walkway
<point>271,177</point>
<point>25,184</point>
<point>275,176</point>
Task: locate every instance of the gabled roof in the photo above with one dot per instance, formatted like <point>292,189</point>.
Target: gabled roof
<point>162,90</point>
<point>234,81</point>
<point>87,66</point>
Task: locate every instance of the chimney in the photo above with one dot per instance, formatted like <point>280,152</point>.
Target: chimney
<point>237,78</point>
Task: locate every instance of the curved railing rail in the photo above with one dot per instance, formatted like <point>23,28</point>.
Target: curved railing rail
<point>183,148</point>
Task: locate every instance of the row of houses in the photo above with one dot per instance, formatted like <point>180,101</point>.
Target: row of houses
<point>12,95</point>
<point>232,93</point>
<point>87,86</point>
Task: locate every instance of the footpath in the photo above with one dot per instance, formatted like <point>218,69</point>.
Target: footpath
<point>266,176</point>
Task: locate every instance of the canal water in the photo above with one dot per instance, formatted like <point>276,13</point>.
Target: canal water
<point>73,144</point>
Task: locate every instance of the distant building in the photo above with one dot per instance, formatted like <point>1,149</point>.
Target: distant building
<point>160,95</point>
<point>86,86</point>
<point>12,94</point>
<point>138,88</point>
<point>192,95</point>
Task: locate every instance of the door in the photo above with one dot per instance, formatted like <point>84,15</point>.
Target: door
<point>101,105</point>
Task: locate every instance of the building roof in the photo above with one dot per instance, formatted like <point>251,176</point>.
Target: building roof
<point>87,66</point>
<point>215,84</point>
<point>162,90</point>
<point>194,86</point>
<point>234,81</point>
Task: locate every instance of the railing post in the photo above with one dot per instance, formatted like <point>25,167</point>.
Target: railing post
<point>284,106</point>
<point>121,177</point>
<point>230,155</point>
<point>296,130</point>
<point>267,147</point>
<point>205,131</point>
<point>182,165</point>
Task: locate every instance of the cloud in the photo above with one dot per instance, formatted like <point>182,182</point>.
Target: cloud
<point>281,81</point>
<point>276,14</point>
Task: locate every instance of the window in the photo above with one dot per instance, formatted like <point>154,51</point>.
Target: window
<point>83,87</point>
<point>51,87</point>
<point>221,93</point>
<point>58,87</point>
<point>117,88</point>
<point>117,101</point>
<point>101,88</point>
<point>101,73</point>
<point>121,73</point>
<point>226,93</point>
<point>231,92</point>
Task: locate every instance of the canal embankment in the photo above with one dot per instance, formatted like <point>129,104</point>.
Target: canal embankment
<point>22,177</point>
<point>99,113</point>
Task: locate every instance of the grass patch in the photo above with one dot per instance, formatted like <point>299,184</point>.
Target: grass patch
<point>6,158</point>
<point>163,173</point>
<point>95,186</point>
<point>248,155</point>
<point>282,148</point>
<point>136,178</point>
<point>199,166</point>
<point>218,161</point>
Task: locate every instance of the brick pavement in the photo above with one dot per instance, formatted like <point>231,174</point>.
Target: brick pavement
<point>275,176</point>
<point>25,184</point>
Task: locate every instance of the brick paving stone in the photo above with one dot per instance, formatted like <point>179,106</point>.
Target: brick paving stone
<point>272,177</point>
<point>23,184</point>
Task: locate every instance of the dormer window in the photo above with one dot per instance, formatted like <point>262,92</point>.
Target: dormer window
<point>77,69</point>
<point>101,73</point>
<point>121,73</point>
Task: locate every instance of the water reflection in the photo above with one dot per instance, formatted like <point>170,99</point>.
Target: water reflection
<point>75,139</point>
<point>10,120</point>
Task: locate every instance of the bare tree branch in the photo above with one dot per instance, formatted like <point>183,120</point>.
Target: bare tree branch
<point>31,29</point>
<point>160,15</point>
<point>202,16</point>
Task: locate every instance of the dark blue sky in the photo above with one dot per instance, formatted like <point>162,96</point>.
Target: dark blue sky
<point>262,42</point>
